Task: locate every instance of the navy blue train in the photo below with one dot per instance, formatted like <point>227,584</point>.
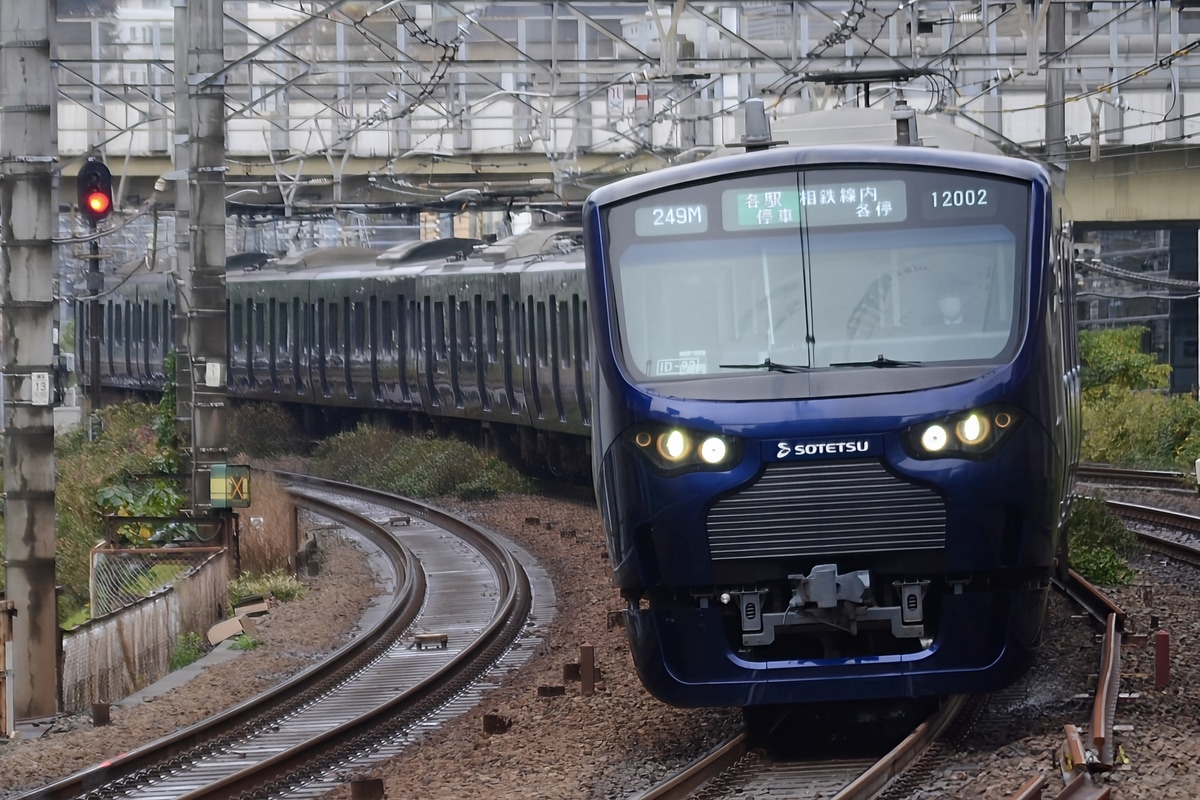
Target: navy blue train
<point>828,399</point>
<point>483,340</point>
<point>836,420</point>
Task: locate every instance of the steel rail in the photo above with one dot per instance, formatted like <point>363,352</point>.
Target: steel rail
<point>1104,709</point>
<point>1138,477</point>
<point>904,754</point>
<point>701,771</point>
<point>294,693</point>
<point>325,751</point>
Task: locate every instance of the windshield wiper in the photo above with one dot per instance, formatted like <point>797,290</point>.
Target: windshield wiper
<point>767,364</point>
<point>880,362</point>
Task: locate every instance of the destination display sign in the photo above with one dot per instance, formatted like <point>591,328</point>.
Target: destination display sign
<point>849,203</point>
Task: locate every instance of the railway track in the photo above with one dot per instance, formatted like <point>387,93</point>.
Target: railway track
<point>1135,478</point>
<point>457,601</point>
<point>735,769</point>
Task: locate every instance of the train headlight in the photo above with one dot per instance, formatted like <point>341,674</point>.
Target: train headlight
<point>673,450</point>
<point>973,428</point>
<point>713,450</point>
<point>934,438</point>
<point>970,434</point>
<point>673,445</point>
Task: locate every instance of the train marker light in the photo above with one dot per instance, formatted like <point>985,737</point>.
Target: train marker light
<point>94,184</point>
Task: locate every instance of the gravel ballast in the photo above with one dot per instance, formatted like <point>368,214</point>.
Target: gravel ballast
<point>620,740</point>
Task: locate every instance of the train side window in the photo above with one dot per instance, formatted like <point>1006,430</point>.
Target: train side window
<point>490,321</point>
<point>465,341</point>
<point>137,315</point>
<point>387,327</point>
<point>439,329</point>
<point>555,326</point>
<point>154,325</point>
<point>506,327</point>
<point>334,336</point>
<point>455,341</point>
<point>168,339</point>
<point>282,345</point>
<point>587,334</point>
<point>236,338</point>
<point>564,334</point>
<point>360,327</point>
<point>260,328</point>
<point>540,344</point>
<point>118,327</point>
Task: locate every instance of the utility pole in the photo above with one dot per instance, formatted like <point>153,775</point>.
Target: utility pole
<point>1056,112</point>
<point>183,248</point>
<point>205,282</point>
<point>28,225</point>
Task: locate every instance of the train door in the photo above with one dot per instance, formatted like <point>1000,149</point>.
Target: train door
<point>559,353</point>
<point>320,323</point>
<point>294,343</point>
<point>483,351</point>
<point>428,352</point>
<point>269,343</point>
<point>353,324</point>
<point>258,344</point>
<point>583,357</point>
<point>455,356</point>
<point>508,351</point>
<point>373,344</point>
<point>123,325</point>
<point>535,350</point>
<point>406,331</point>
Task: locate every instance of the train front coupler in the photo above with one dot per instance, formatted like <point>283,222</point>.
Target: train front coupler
<point>824,599</point>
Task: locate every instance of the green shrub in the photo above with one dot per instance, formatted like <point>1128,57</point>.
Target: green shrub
<point>1142,430</point>
<point>189,649</point>
<point>1099,543</point>
<point>279,584</point>
<point>244,642</point>
<point>263,430</point>
<point>415,466</point>
<point>126,448</point>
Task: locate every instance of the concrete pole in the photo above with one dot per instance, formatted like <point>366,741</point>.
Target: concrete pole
<point>28,224</point>
<point>183,244</point>
<point>207,332</point>
<point>1056,112</point>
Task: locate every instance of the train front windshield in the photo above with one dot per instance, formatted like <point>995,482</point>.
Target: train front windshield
<point>821,269</point>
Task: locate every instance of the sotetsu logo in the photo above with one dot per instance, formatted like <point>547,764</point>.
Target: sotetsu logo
<point>787,449</point>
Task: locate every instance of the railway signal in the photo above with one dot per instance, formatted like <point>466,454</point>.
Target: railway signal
<point>95,191</point>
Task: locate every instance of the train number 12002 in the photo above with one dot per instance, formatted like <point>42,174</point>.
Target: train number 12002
<point>960,198</point>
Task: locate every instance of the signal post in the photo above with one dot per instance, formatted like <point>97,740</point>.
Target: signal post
<point>94,185</point>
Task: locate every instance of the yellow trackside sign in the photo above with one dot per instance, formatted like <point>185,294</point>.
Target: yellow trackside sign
<point>229,486</point>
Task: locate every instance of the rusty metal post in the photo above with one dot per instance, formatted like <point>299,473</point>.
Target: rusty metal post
<point>7,609</point>
<point>587,669</point>
<point>1162,659</point>
<point>366,789</point>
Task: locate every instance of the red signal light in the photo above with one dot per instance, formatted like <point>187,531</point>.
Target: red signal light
<point>94,184</point>
<point>99,202</point>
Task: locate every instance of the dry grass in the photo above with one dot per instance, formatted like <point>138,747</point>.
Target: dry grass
<point>268,540</point>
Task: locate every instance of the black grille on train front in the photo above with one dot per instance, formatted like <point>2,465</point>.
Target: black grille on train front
<point>816,508</point>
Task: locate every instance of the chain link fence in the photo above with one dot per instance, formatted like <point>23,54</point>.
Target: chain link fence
<point>122,576</point>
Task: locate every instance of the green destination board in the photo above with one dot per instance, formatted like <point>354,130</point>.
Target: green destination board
<point>852,203</point>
